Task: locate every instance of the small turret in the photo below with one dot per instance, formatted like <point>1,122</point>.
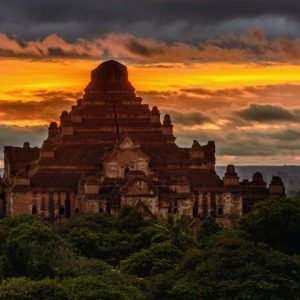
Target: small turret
<point>26,145</point>
<point>231,178</point>
<point>258,182</point>
<point>196,151</point>
<point>155,115</point>
<point>276,186</point>
<point>52,130</point>
<point>66,124</point>
<point>167,125</point>
<point>64,117</point>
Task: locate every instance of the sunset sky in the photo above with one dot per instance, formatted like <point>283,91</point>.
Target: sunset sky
<point>227,71</point>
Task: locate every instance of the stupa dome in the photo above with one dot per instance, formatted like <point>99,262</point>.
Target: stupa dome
<point>110,76</point>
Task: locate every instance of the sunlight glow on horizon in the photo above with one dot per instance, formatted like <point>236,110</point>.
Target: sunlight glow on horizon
<point>24,77</point>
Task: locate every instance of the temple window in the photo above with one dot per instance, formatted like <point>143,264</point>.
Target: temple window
<point>213,201</point>
<point>43,206</point>
<point>34,210</point>
<point>220,211</point>
<point>51,205</point>
<point>196,205</point>
<point>126,171</point>
<point>204,205</point>
<point>68,205</point>
<point>61,210</point>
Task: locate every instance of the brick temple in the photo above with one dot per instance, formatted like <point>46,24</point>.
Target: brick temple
<point>112,150</point>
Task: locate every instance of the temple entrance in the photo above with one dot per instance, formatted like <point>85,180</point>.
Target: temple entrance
<point>61,210</point>
<point>2,204</point>
<point>51,207</point>
<point>196,205</point>
<point>34,210</point>
<point>68,205</point>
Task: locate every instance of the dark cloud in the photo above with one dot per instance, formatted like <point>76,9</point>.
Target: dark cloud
<point>138,48</point>
<point>234,142</point>
<point>15,136</point>
<point>177,19</point>
<point>229,92</point>
<point>43,94</point>
<point>45,110</point>
<point>194,118</point>
<point>266,113</point>
<point>175,101</point>
<point>252,46</point>
<point>286,135</point>
<point>56,95</point>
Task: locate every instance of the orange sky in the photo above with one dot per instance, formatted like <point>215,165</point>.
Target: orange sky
<point>210,94</point>
<point>231,75</point>
<point>22,77</point>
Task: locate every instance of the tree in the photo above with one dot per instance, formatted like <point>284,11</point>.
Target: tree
<point>108,287</point>
<point>208,228</point>
<point>26,289</point>
<point>30,250</point>
<point>158,259</point>
<point>85,242</point>
<point>130,220</point>
<point>275,222</point>
<point>236,269</point>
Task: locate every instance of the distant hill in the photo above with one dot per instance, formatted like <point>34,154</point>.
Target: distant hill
<point>289,174</point>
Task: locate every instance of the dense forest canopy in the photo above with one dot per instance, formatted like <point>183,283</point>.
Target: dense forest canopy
<point>134,257</point>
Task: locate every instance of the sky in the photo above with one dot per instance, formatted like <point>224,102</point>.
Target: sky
<point>226,71</point>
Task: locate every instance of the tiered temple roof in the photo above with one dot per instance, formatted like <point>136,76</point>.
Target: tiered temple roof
<point>108,110</point>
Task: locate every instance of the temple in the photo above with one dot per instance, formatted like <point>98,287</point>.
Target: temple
<point>111,150</point>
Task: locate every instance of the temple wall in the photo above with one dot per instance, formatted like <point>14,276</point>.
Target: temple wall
<point>115,168</point>
<point>48,205</point>
<point>150,202</point>
<point>185,207</point>
<point>91,188</point>
<point>19,203</point>
<point>140,187</point>
<point>232,204</point>
<point>91,206</point>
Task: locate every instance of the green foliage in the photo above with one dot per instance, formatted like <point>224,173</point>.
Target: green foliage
<point>237,269</point>
<point>178,231</point>
<point>131,257</point>
<point>85,241</point>
<point>26,289</point>
<point>108,287</point>
<point>30,250</point>
<point>208,228</point>
<point>9,222</point>
<point>275,222</point>
<point>157,259</point>
<point>130,220</point>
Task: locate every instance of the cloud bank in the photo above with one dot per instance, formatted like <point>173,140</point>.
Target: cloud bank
<point>250,47</point>
<point>170,20</point>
